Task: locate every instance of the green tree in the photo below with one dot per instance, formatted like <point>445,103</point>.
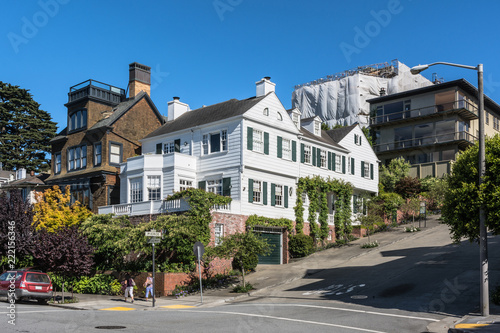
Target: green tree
<point>241,246</point>
<point>464,197</point>
<point>389,175</point>
<point>25,130</point>
<point>434,190</point>
<point>368,135</point>
<point>408,187</point>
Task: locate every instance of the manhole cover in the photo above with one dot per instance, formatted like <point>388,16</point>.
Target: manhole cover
<point>359,297</point>
<point>110,327</point>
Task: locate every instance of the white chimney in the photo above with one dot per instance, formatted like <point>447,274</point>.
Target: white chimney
<point>176,109</point>
<point>264,86</point>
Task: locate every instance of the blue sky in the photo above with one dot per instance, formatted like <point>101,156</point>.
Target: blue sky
<point>208,51</point>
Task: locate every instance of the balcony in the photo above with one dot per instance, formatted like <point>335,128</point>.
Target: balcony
<point>154,207</point>
<point>464,109</point>
<point>97,90</point>
<point>176,160</point>
<point>463,139</point>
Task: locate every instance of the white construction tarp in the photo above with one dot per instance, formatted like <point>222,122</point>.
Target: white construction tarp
<point>344,101</point>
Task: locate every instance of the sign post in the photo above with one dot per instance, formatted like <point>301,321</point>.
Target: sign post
<point>423,211</point>
<point>199,249</point>
<point>153,240</point>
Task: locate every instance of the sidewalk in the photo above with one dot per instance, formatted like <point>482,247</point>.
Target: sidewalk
<point>268,276</point>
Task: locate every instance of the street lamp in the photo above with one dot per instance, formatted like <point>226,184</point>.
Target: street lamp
<point>483,240</point>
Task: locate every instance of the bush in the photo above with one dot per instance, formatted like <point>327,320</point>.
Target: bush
<point>250,261</point>
<point>369,245</point>
<point>97,284</point>
<point>300,245</point>
<point>241,289</point>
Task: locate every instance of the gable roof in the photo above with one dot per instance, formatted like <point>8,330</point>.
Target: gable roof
<point>117,112</point>
<point>28,181</point>
<point>324,138</point>
<point>207,114</point>
<point>340,133</point>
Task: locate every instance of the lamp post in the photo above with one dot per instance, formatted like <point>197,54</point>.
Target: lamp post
<point>483,240</point>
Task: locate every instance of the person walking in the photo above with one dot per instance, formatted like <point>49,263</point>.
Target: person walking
<point>149,286</point>
<point>129,287</point>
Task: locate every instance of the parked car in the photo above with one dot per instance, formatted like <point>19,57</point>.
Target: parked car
<point>26,284</point>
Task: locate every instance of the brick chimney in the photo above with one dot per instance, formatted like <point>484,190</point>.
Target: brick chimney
<point>139,79</point>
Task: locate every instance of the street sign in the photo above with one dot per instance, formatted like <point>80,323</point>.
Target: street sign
<point>153,233</point>
<point>154,240</point>
<point>198,249</point>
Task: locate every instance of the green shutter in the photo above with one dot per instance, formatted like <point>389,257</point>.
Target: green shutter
<point>318,158</point>
<point>286,196</point>
<point>334,158</point>
<point>249,138</point>
<point>177,145</point>
<point>355,138</point>
<point>158,148</point>
<point>266,143</point>
<point>343,164</point>
<point>352,165</point>
<point>273,194</point>
<point>329,161</point>
<point>280,145</point>
<point>371,171</point>
<point>264,193</point>
<point>354,204</point>
<point>362,168</point>
<point>226,187</point>
<point>314,156</point>
<point>302,154</point>
<point>202,185</point>
<point>250,190</point>
<point>294,151</point>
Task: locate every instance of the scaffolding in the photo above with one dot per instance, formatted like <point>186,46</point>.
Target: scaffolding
<point>385,70</point>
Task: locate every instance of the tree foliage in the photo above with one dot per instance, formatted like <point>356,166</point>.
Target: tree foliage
<point>54,210</point>
<point>240,246</point>
<point>25,130</point>
<point>434,190</point>
<point>464,197</point>
<point>389,175</point>
<point>65,252</point>
<point>16,228</point>
<point>408,187</point>
<point>110,238</point>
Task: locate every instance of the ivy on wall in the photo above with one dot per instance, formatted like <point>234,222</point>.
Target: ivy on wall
<point>254,220</point>
<point>317,189</point>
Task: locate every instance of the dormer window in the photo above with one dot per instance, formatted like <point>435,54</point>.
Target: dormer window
<point>77,120</point>
<point>317,128</point>
<point>266,112</point>
<point>295,119</point>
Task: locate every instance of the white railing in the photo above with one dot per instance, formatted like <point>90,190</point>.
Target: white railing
<point>222,208</point>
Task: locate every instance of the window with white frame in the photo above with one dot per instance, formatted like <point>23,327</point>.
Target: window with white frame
<point>214,142</point>
<point>279,116</point>
<point>257,191</point>
<point>214,186</point>
<point>323,158</point>
<point>278,195</point>
<point>317,128</point>
<point>219,233</point>
<point>77,158</point>
<point>115,153</point>
<point>307,154</point>
<point>136,189</point>
<point>286,149</point>
<point>295,119</point>
<point>154,187</point>
<point>168,147</point>
<point>258,141</point>
<point>185,184</point>
<point>338,163</point>
<point>58,162</point>
<point>367,169</point>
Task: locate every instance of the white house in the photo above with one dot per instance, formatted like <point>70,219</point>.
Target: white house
<point>253,150</point>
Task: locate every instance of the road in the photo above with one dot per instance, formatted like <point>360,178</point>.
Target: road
<point>402,287</point>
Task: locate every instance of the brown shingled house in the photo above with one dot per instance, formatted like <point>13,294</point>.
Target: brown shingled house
<point>103,130</point>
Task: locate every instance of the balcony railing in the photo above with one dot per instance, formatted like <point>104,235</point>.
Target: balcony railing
<point>471,112</point>
<point>424,141</point>
<point>98,90</point>
<point>154,207</point>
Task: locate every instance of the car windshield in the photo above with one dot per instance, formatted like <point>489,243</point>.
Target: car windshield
<point>8,276</point>
<point>37,278</point>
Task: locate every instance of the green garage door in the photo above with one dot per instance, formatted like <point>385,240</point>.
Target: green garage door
<point>275,257</point>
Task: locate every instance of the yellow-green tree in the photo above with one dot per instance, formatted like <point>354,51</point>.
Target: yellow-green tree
<point>54,210</point>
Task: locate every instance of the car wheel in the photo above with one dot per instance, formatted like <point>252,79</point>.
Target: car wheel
<point>42,301</point>
<point>12,297</point>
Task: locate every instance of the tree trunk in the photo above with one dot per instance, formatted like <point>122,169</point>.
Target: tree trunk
<point>243,273</point>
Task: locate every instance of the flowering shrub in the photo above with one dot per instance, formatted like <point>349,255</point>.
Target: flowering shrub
<point>369,245</point>
<point>412,229</point>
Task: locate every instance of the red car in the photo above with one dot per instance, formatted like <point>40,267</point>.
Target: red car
<point>26,284</point>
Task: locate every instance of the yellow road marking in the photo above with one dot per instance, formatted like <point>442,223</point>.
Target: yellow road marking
<point>470,325</point>
<point>118,308</point>
<point>177,306</point>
